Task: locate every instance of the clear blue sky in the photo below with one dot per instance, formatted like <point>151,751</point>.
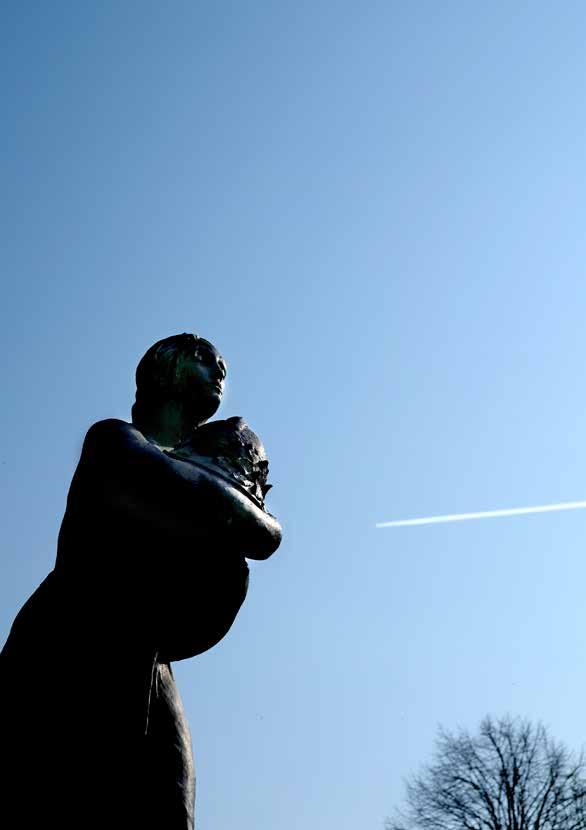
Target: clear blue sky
<point>376,211</point>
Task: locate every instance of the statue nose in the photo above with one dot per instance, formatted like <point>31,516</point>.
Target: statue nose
<point>220,366</point>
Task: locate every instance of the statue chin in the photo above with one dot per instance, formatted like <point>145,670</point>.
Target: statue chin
<point>204,407</point>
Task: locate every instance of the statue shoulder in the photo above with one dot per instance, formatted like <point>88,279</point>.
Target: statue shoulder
<point>111,429</point>
<point>112,435</point>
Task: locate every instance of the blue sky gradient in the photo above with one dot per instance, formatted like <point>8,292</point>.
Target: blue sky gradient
<point>376,212</point>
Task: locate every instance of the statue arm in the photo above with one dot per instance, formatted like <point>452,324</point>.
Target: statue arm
<point>173,495</point>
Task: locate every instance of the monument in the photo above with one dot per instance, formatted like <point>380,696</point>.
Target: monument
<point>151,568</point>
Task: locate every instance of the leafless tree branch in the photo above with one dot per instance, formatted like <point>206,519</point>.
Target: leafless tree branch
<point>510,776</point>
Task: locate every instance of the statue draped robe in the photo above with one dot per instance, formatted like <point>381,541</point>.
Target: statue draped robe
<point>92,730</point>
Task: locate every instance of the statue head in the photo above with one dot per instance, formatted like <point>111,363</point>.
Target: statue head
<point>184,370</point>
<point>234,450</point>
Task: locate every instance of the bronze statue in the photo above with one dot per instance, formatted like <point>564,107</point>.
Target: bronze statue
<point>150,568</point>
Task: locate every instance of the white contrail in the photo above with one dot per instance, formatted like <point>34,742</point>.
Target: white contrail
<point>487,514</point>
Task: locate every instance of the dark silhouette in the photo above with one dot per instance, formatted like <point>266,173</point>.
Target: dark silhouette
<point>510,776</point>
<point>150,569</point>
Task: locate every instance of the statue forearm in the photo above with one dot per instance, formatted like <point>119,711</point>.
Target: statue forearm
<point>256,533</point>
<point>232,515</point>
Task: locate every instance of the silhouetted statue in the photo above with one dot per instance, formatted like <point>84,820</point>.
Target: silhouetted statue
<point>150,568</point>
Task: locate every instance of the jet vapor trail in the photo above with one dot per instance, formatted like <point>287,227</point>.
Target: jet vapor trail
<point>486,514</point>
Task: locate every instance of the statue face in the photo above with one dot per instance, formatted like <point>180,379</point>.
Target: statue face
<point>200,378</point>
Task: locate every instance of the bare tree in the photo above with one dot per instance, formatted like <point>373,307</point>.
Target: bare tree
<point>510,776</point>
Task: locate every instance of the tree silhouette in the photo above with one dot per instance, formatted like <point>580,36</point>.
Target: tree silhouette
<point>510,776</point>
